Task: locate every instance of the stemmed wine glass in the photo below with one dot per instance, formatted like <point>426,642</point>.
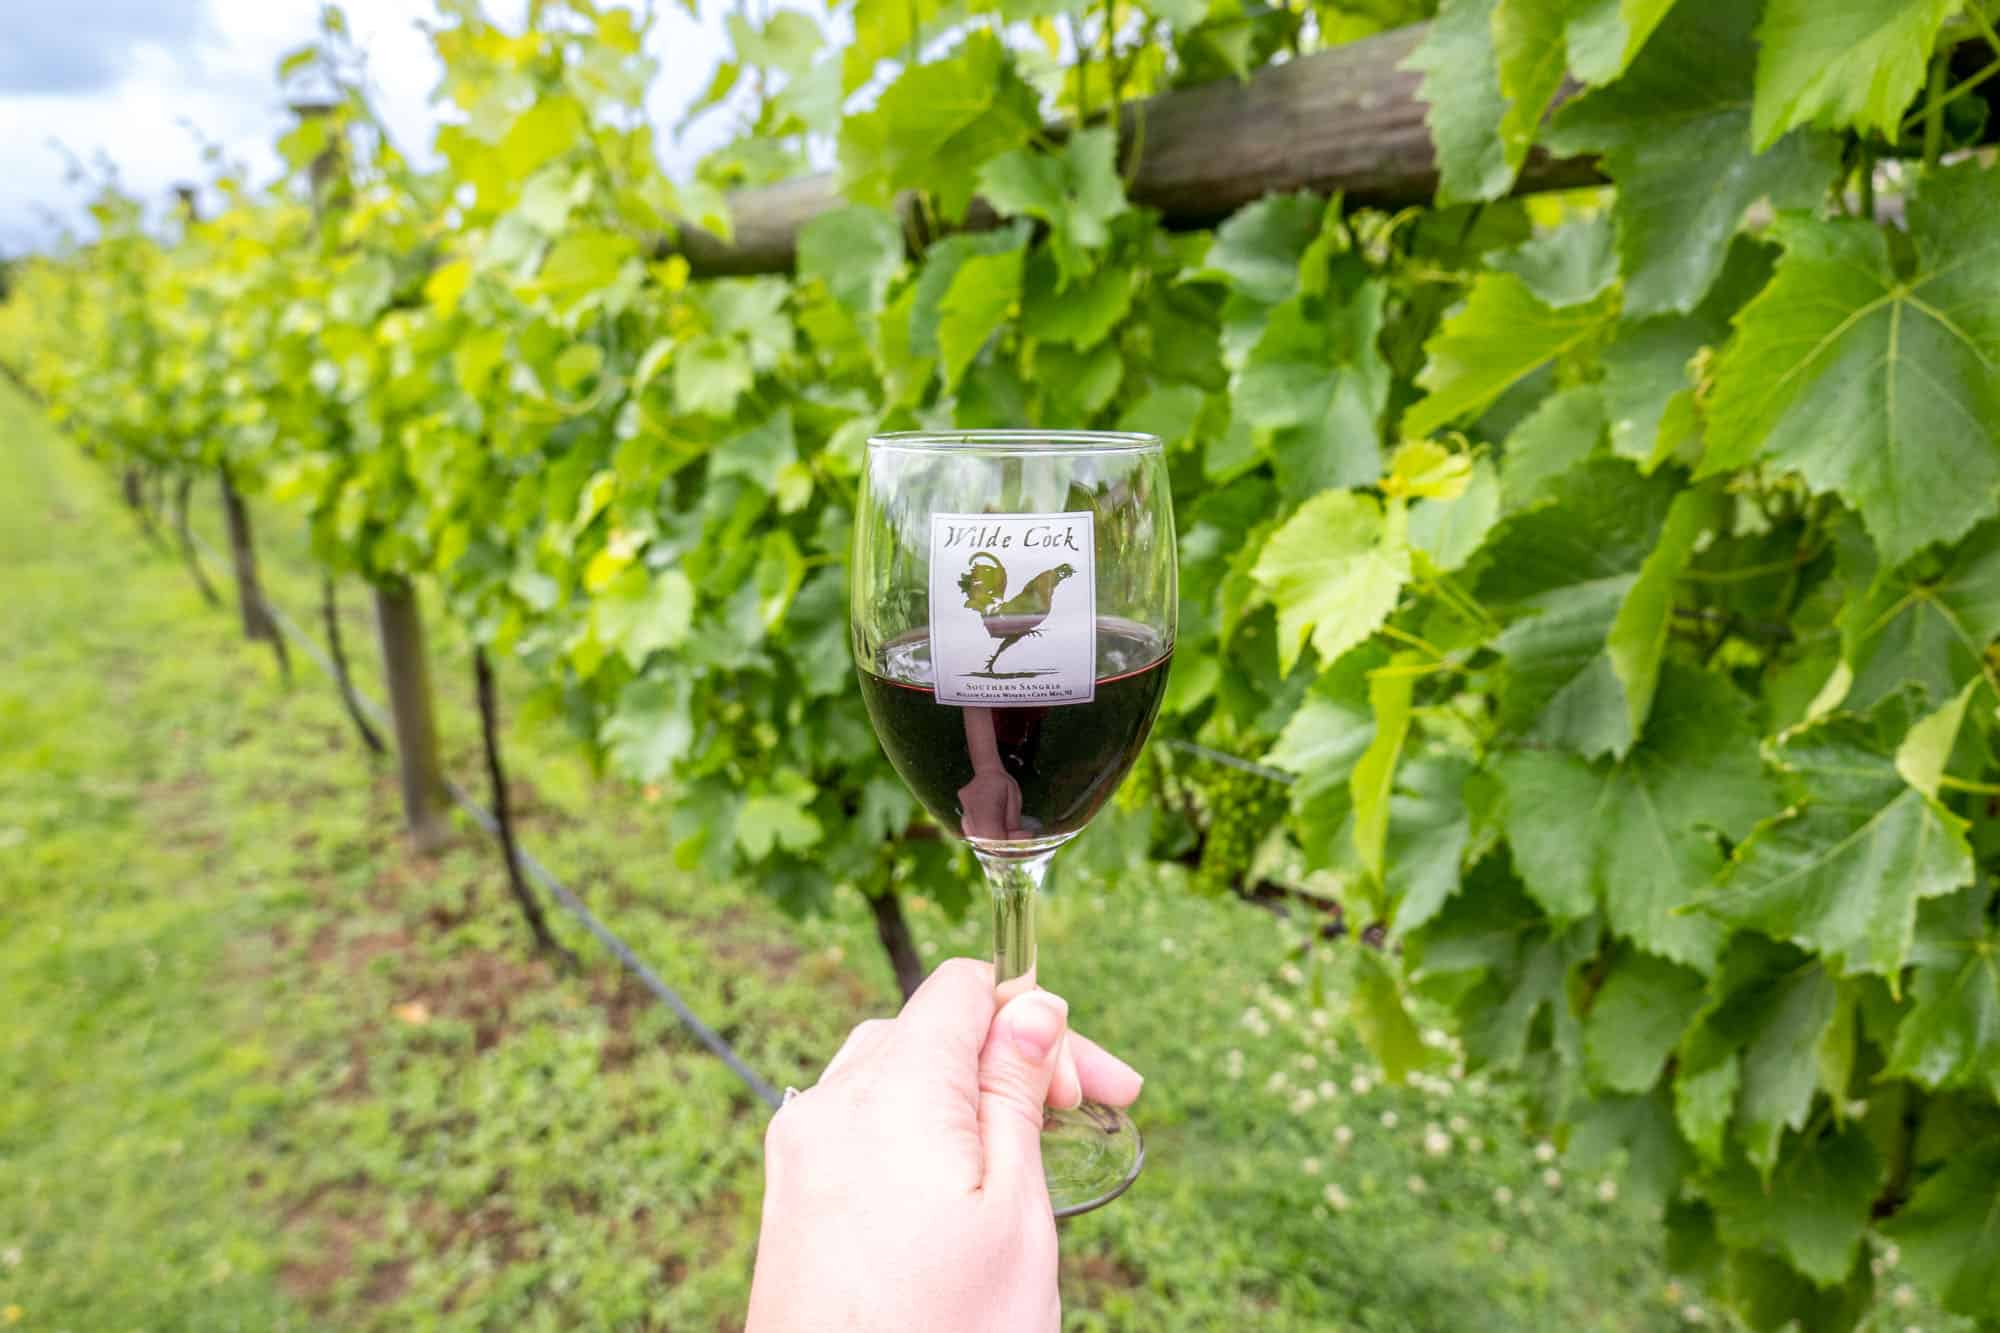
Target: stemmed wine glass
<point>1014,606</point>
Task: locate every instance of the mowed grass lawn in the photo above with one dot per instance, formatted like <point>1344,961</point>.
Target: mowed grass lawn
<point>261,1069</point>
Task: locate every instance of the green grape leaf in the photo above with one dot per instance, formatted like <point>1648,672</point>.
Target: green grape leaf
<point>638,615</point>
<point>1170,411</point>
<point>1449,532</point>
<point>1951,1035</point>
<point>984,294</point>
<point>1564,571</point>
<point>941,264</point>
<point>1648,364</point>
<point>1528,46</point>
<point>776,813</point>
<point>1680,114</point>
<point>1842,871</point>
<point>1636,1020</point>
<point>788,43</point>
<point>1258,249</point>
<point>1855,65</point>
<point>760,454</point>
<point>1461,88</point>
<point>1879,387</point>
<point>1425,469</point>
<point>883,29</point>
<point>1933,632</point>
<point>1334,571</point>
<point>856,251</point>
<point>1642,1129</point>
<point>1770,1295</point>
<point>1322,741</point>
<point>1638,637</point>
<point>1429,828</point>
<point>1633,837</point>
<point>1813,1209</point>
<point>1082,315</point>
<point>551,125</point>
<point>937,125</point>
<point>1949,1233</point>
<point>1704,1100</point>
<point>1502,334</point>
<point>1315,385</point>
<point>710,374</point>
<point>1375,772</point>
<point>1380,1016</point>
<point>1075,190</point>
<point>1510,974</point>
<point>1769,1007</point>
<point>1568,266</point>
<point>1926,749</point>
<point>1562,431</point>
<point>651,730</point>
<point>1604,35</point>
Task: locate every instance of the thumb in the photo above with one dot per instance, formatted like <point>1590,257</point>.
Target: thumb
<point>1015,1069</point>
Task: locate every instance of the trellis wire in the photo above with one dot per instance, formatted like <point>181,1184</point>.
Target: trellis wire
<point>546,878</point>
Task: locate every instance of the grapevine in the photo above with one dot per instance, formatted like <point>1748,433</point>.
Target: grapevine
<point>1615,573</point>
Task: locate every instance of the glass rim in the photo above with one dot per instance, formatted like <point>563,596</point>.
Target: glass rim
<point>1018,441</point>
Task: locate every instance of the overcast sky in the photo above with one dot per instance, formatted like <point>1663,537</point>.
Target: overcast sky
<point>119,77</point>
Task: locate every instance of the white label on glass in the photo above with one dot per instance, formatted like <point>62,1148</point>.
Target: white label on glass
<point>1014,609</point>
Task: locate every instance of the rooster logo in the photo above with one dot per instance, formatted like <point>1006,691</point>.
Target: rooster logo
<point>1008,619</point>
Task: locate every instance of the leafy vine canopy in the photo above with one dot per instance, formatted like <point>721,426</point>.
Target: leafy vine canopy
<point>1614,573</point>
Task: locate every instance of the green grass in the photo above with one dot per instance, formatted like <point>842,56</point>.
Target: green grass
<point>261,1069</point>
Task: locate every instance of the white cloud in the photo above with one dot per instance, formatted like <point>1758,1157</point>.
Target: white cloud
<point>216,71</point>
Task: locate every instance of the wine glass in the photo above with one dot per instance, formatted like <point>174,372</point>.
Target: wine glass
<point>1014,607</point>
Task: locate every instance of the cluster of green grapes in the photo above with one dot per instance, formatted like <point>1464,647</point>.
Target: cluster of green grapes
<point>1241,807</point>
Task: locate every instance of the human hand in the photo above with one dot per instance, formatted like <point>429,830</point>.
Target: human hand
<point>992,806</point>
<point>904,1190</point>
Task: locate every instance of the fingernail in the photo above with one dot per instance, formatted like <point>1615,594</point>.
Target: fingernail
<point>1036,1021</point>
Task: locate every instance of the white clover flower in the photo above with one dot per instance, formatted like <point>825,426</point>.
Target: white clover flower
<point>1459,1124</point>
<point>1302,1101</point>
<point>1607,1190</point>
<point>1672,1293</point>
<point>1290,974</point>
<point>1284,1011</point>
<point>1253,1018</point>
<point>1475,1144</point>
<point>1319,1018</point>
<point>1552,1178</point>
<point>1476,1086</point>
<point>1327,1090</point>
<point>1232,1064</point>
<point>1361,1085</point>
<point>1342,1135</point>
<point>1545,1151</point>
<point>1694,1314</point>
<point>1275,1083</point>
<point>1306,1060</point>
<point>11,1256</point>
<point>1389,1119</point>
<point>1904,1296</point>
<point>1167,945</point>
<point>1503,1196</point>
<point>1416,1185</point>
<point>1336,1198</point>
<point>1437,1143</point>
<point>1310,1166</point>
<point>1891,1255</point>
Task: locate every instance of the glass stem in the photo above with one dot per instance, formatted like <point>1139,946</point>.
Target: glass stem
<point>1015,880</point>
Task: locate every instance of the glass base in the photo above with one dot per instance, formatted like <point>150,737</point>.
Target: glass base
<point>1090,1155</point>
